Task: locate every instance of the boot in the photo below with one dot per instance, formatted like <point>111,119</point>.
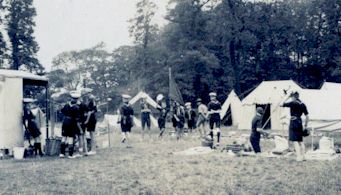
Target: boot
<point>35,149</point>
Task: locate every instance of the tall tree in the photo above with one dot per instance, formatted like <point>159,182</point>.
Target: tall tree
<point>3,46</point>
<point>144,31</point>
<point>20,31</point>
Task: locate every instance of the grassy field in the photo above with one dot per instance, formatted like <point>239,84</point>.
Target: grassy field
<point>151,167</point>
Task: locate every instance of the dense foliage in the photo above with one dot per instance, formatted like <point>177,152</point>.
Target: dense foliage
<point>222,45</point>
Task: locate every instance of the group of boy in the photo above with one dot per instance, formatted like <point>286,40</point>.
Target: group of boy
<point>79,117</point>
<point>195,119</point>
<point>211,114</point>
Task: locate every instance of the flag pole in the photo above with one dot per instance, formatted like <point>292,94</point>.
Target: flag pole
<point>169,81</point>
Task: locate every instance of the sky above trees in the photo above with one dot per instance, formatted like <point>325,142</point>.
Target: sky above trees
<point>65,25</point>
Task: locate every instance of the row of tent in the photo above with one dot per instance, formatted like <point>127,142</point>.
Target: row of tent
<point>324,106</point>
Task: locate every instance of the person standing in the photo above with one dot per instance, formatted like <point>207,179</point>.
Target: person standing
<point>179,115</point>
<point>162,107</point>
<point>190,116</point>
<point>30,124</point>
<point>145,116</point>
<point>126,114</point>
<point>70,125</point>
<point>80,133</point>
<point>202,117</point>
<point>214,109</point>
<point>297,108</point>
<point>90,123</point>
<point>256,130</point>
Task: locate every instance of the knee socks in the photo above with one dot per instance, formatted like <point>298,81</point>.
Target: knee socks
<point>218,136</point>
<point>62,148</point>
<point>71,147</point>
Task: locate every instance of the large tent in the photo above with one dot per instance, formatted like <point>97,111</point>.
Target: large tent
<point>324,107</point>
<point>269,94</point>
<point>135,102</point>
<point>231,110</point>
<point>12,83</point>
<point>331,86</point>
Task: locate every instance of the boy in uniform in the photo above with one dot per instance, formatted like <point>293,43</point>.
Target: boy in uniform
<point>145,116</point>
<point>214,109</point>
<point>31,125</point>
<point>202,117</point>
<point>256,130</point>
<point>190,116</point>
<point>162,107</point>
<point>126,119</point>
<point>90,123</point>
<point>179,115</point>
<point>297,108</point>
<point>70,125</point>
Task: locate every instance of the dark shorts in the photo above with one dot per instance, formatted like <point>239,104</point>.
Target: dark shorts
<point>33,129</point>
<point>145,120</point>
<point>296,130</point>
<point>69,129</point>
<point>255,139</point>
<point>191,124</point>
<point>126,124</point>
<point>174,122</point>
<point>91,126</point>
<point>214,121</point>
<point>161,122</point>
<point>126,127</point>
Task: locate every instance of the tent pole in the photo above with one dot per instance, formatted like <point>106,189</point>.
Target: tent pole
<point>312,139</point>
<point>47,110</point>
<point>169,80</point>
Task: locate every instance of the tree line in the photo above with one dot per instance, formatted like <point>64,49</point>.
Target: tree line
<point>18,48</point>
<point>213,46</point>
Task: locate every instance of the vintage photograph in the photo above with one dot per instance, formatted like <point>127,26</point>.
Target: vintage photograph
<point>170,97</point>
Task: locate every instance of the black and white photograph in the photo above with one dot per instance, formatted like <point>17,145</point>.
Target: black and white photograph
<point>162,97</point>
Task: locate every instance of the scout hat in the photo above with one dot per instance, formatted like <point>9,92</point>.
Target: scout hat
<point>125,96</point>
<point>29,100</point>
<point>159,97</point>
<point>75,94</point>
<point>212,94</point>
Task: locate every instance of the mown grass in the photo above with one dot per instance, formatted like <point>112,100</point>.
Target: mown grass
<point>151,167</point>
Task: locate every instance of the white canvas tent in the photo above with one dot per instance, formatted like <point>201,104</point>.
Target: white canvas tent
<point>232,107</point>
<point>269,94</point>
<point>141,95</point>
<point>11,105</point>
<point>324,107</point>
<point>331,86</point>
<point>135,100</point>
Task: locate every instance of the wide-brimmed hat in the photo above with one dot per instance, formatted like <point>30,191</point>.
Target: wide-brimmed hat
<point>126,96</point>
<point>213,94</point>
<point>29,100</point>
<point>75,94</point>
<point>159,97</point>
